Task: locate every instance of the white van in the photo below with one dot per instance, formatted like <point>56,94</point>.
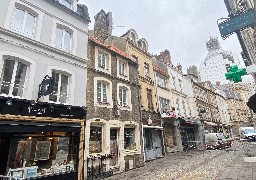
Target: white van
<point>247,132</point>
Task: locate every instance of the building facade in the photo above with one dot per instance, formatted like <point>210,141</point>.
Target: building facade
<point>42,61</point>
<point>113,127</point>
<point>137,48</point>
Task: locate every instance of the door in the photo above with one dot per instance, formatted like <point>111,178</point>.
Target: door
<point>114,150</point>
<point>157,143</point>
<point>4,154</point>
<point>148,145</point>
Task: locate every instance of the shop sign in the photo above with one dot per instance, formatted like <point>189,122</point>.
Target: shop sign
<point>237,23</point>
<point>168,115</point>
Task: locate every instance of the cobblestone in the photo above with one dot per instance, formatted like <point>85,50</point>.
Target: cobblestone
<point>206,165</point>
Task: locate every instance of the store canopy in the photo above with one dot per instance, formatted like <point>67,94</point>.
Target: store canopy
<point>29,127</point>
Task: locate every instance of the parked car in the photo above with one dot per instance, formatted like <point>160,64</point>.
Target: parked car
<point>216,141</point>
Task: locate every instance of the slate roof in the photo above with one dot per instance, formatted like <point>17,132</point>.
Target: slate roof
<point>82,10</point>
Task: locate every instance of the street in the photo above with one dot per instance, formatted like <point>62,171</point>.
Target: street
<point>195,165</point>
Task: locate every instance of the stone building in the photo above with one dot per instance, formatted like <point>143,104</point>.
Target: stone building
<point>42,87</point>
<point>113,127</point>
<point>137,48</point>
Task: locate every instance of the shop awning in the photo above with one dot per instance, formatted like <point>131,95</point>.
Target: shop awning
<point>21,126</point>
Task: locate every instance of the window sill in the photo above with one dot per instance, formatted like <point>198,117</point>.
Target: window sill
<point>103,70</point>
<point>109,105</point>
<point>130,151</point>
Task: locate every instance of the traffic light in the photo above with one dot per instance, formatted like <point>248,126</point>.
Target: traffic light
<point>235,73</point>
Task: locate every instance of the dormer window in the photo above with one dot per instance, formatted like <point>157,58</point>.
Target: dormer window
<point>67,3</point>
<point>133,37</point>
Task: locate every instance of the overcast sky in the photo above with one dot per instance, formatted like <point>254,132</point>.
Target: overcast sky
<point>181,26</point>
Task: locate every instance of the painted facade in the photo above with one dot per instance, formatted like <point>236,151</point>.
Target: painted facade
<point>42,40</point>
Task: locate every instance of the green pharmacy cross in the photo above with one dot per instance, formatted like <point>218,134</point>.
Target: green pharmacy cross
<point>235,74</point>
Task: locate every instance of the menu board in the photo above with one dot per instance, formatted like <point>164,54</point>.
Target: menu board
<point>43,149</point>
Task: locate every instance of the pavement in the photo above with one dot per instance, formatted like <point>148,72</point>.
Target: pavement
<point>225,164</point>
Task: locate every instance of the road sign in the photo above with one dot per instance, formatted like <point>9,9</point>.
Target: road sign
<point>238,22</point>
<point>235,74</point>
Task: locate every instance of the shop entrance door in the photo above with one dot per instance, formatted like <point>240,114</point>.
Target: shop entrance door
<point>114,150</point>
<point>148,145</point>
<point>4,152</point>
<point>157,143</point>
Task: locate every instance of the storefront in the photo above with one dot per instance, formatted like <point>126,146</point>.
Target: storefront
<point>190,132</point>
<point>153,137</point>
<point>171,137</point>
<point>40,140</point>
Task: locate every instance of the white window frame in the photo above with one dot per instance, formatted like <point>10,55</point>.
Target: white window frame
<point>11,85</point>
<point>128,97</point>
<point>125,74</point>
<point>108,91</point>
<point>30,74</point>
<point>71,84</point>
<point>73,41</point>
<point>65,31</point>
<point>38,17</point>
<point>107,68</point>
<point>72,2</point>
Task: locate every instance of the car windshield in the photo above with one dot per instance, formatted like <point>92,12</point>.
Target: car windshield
<point>247,131</point>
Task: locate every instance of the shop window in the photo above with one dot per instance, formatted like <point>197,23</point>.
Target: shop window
<point>63,38</point>
<point>129,139</point>
<point>60,88</point>
<point>23,21</point>
<point>39,154</point>
<point>13,77</point>
<point>95,142</point>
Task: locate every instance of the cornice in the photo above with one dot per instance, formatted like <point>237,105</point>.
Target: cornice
<point>147,80</point>
<point>178,93</point>
<point>42,45</point>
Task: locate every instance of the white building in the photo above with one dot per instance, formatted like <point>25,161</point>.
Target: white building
<point>216,63</point>
<point>39,38</point>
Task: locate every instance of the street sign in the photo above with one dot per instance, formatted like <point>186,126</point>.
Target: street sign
<point>238,22</point>
<point>235,74</point>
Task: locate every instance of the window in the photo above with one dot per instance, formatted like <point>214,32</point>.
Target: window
<point>60,88</point>
<point>63,39</point>
<point>95,141</point>
<point>123,96</point>
<point>13,77</point>
<point>184,107</point>
<point>146,69</point>
<point>129,139</point>
<point>23,22</point>
<point>133,38</point>
<point>180,84</point>
<point>178,105</point>
<point>149,97</point>
<point>67,3</point>
<point>102,92</point>
<point>122,69</point>
<point>164,105</point>
<point>174,83</point>
<point>161,81</point>
<point>102,60</point>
